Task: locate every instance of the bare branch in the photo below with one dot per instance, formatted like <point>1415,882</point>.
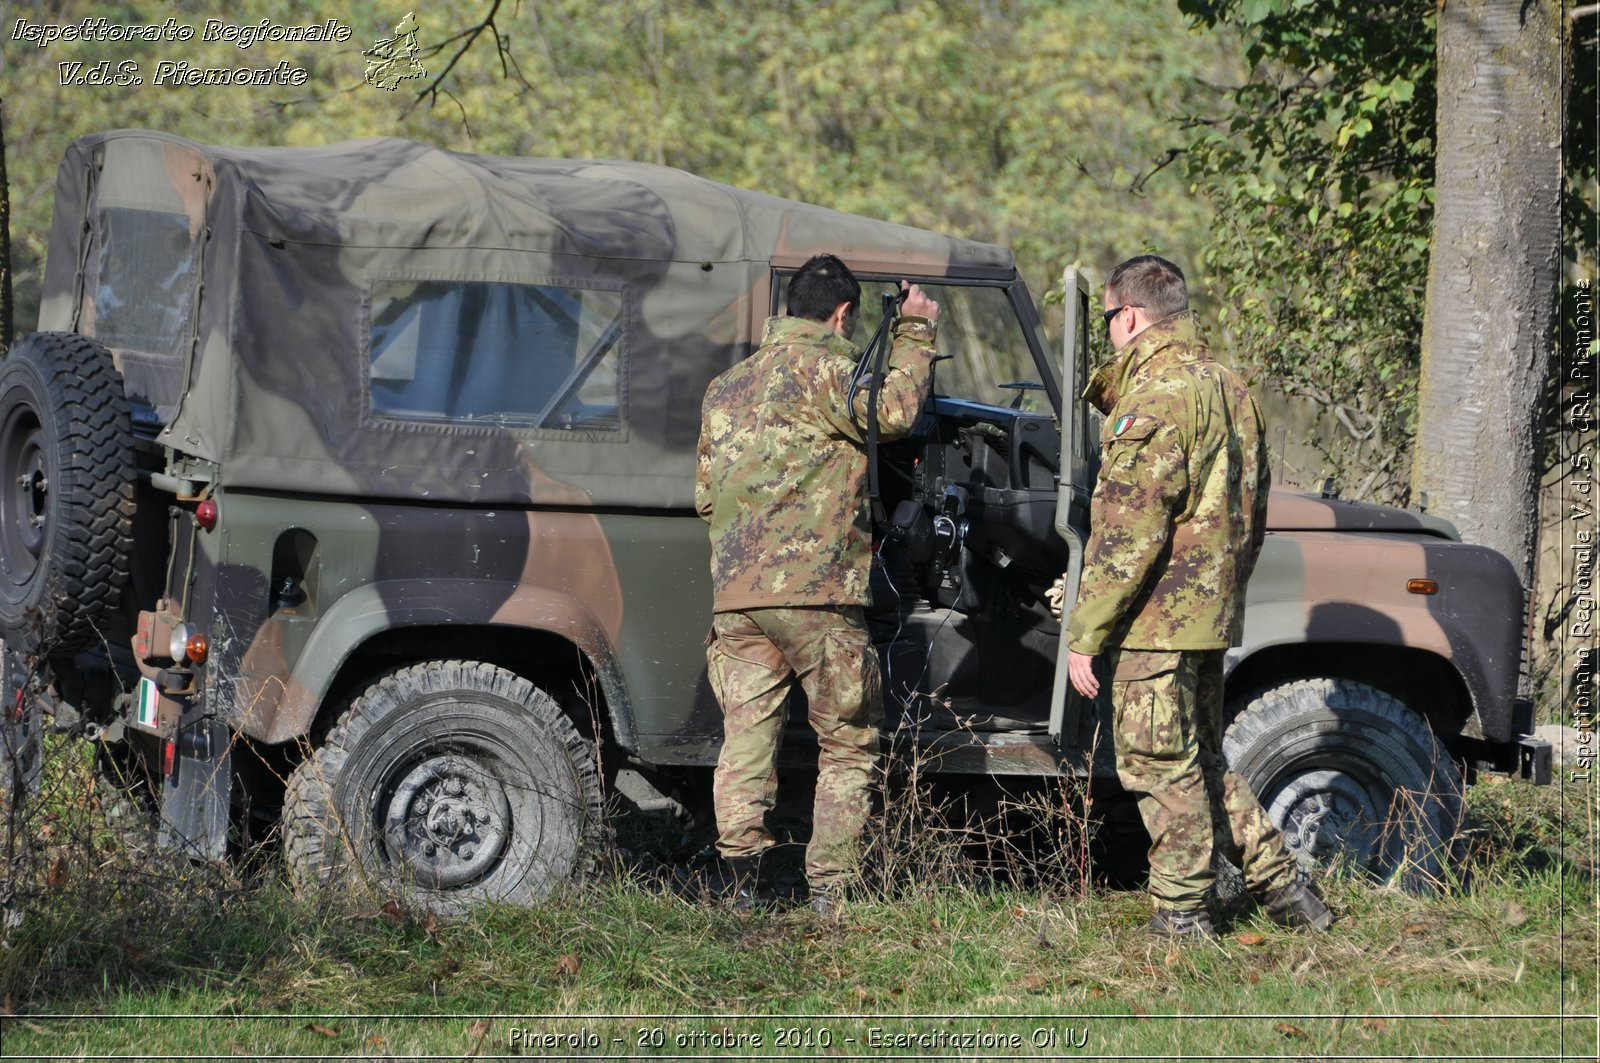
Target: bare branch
<point>431,89</point>
<point>465,124</point>
<point>1137,187</point>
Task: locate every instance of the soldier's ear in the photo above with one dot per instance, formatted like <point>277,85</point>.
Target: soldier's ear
<point>840,320</point>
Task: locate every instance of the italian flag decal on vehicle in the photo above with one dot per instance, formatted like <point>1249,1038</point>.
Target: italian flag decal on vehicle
<point>1124,423</point>
<point>149,703</point>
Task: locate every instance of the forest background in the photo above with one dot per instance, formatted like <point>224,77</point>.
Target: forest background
<point>1281,150</point>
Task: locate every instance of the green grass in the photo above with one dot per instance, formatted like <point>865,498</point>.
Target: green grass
<point>147,956</point>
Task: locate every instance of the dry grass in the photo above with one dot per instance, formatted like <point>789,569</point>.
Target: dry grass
<point>962,920</point>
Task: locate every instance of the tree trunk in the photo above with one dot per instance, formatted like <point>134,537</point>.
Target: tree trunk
<point>7,324</point>
<point>1489,327</point>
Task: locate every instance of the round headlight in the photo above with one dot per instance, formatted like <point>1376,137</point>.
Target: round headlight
<point>178,648</point>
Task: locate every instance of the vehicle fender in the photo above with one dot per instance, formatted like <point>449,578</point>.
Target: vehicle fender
<point>1330,587</point>
<point>285,700</point>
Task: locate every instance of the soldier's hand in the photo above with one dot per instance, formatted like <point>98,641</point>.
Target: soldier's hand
<point>1080,669</point>
<point>917,304</point>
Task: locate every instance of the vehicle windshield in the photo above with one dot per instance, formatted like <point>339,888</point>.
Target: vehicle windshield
<point>980,331</point>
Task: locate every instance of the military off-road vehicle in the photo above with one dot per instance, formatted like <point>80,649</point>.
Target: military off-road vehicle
<point>349,489</point>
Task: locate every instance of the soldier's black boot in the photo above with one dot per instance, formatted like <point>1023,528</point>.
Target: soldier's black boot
<point>1297,905</point>
<point>1189,923</point>
<point>749,882</point>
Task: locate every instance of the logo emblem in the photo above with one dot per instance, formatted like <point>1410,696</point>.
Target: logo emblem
<point>394,59</point>
<point>1124,423</point>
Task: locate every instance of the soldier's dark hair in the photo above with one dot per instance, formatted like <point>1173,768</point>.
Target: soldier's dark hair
<point>1150,282</point>
<point>821,285</point>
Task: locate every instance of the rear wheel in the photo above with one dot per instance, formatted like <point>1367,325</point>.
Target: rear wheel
<point>453,782</point>
<point>66,491</point>
<point>1352,777</point>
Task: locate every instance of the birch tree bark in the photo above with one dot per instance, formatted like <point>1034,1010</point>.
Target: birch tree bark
<point>1489,326</point>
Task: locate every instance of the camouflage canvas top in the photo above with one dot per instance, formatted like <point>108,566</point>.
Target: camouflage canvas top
<point>781,469</point>
<point>385,319</point>
<point>1179,510</point>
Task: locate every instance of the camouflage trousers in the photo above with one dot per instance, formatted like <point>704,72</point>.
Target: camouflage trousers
<point>751,659</point>
<point>1167,725</point>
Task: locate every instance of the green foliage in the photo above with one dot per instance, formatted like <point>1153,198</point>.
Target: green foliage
<point>1321,170</point>
<point>1023,122</point>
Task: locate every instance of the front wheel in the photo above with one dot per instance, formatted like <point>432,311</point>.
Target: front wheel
<point>453,782</point>
<point>1351,776</point>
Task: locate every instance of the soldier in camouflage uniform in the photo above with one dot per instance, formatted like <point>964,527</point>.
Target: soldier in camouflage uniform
<point>781,477</point>
<point>1177,519</point>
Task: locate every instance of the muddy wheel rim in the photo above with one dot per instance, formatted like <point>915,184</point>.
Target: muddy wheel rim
<point>447,821</point>
<point>24,494</point>
<point>1327,815</point>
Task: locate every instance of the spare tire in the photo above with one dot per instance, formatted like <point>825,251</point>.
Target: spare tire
<point>66,491</point>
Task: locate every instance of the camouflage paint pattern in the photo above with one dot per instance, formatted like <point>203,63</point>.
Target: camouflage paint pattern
<point>753,657</point>
<point>484,530</point>
<point>271,373</point>
<point>781,466</point>
<point>1179,511</point>
<point>262,395</point>
<point>1319,584</point>
<point>1167,729</point>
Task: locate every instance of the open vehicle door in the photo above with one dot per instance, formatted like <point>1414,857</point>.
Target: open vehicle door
<point>1074,484</point>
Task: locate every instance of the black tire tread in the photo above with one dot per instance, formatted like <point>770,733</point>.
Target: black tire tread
<point>1269,712</point>
<point>315,844</point>
<point>85,562</point>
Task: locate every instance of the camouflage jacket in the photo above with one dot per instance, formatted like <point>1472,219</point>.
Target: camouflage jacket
<point>782,470</point>
<point>1179,511</point>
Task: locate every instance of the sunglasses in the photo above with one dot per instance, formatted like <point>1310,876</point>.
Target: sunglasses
<point>1115,310</point>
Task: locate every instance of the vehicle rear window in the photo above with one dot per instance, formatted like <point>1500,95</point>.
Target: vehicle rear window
<point>146,281</point>
<point>528,355</point>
